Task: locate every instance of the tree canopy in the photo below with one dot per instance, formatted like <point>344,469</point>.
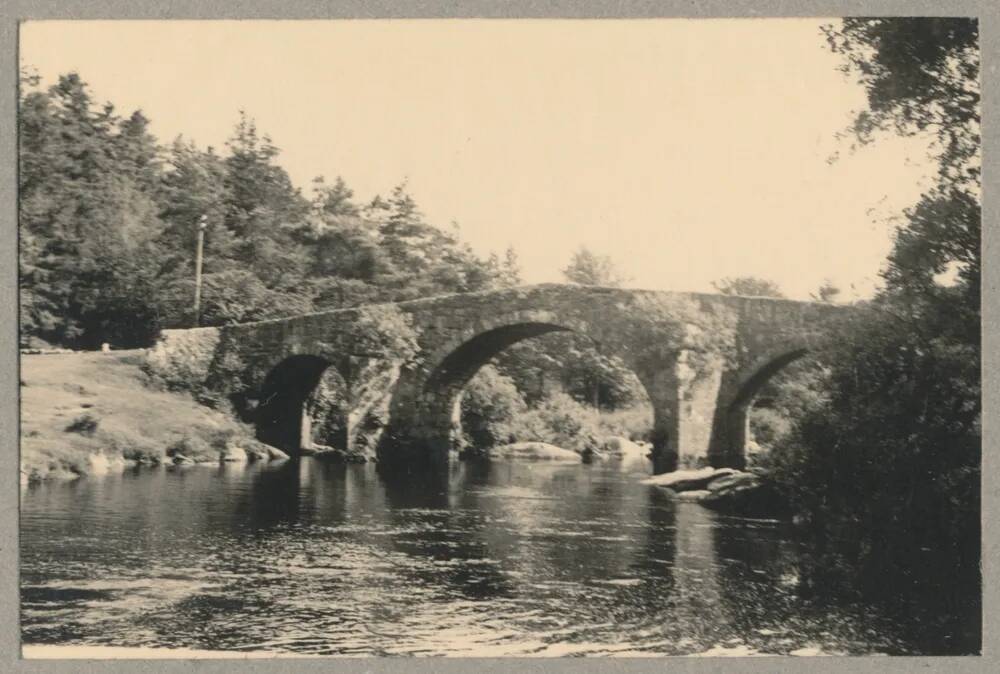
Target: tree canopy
<point>109,221</point>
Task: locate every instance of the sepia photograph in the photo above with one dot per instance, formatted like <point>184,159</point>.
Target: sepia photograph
<point>499,337</point>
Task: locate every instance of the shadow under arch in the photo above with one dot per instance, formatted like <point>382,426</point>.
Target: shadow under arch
<point>736,410</point>
<point>282,418</point>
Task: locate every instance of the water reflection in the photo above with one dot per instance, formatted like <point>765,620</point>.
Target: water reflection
<point>478,558</point>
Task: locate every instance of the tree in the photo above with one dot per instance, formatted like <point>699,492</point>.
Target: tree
<point>748,286</point>
<point>87,217</point>
<point>506,273</point>
<point>885,461</point>
<point>588,268</point>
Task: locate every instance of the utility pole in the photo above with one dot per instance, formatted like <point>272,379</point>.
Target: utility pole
<point>202,224</point>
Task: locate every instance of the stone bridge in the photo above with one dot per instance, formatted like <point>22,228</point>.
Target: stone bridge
<point>700,357</point>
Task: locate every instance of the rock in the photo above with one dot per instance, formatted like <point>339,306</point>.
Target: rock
<point>617,447</point>
<point>733,481</point>
<point>256,451</point>
<point>181,460</point>
<point>535,451</point>
<point>688,480</point>
<point>694,496</point>
<point>98,464</point>
<point>745,494</point>
<point>233,455</point>
<point>341,455</point>
<point>275,454</point>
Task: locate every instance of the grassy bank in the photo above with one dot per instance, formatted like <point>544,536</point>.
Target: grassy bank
<point>84,413</point>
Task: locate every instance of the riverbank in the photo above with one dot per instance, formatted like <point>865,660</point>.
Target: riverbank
<point>90,413</point>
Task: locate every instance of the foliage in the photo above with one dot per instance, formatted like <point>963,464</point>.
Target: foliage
<point>574,363</point>
<point>378,332</point>
<point>885,461</point>
<point>85,424</point>
<point>661,326</point>
<point>491,405</point>
<point>634,422</point>
<point>921,75</point>
<point>181,359</point>
<point>827,292</point>
<point>561,421</point>
<point>109,222</point>
<point>590,269</point>
<point>748,286</point>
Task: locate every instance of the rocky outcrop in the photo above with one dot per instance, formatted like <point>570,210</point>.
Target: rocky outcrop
<point>533,451</point>
<point>689,480</point>
<point>724,490</point>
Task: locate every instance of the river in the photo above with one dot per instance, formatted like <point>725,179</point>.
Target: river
<point>492,559</point>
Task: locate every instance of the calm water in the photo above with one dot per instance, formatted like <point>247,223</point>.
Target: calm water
<point>491,559</point>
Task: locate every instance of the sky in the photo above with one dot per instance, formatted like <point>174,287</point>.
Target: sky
<point>687,150</point>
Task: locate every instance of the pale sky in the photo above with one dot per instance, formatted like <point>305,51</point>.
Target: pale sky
<point>687,150</point>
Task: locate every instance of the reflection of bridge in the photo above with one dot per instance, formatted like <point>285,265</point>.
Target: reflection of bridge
<point>700,415</point>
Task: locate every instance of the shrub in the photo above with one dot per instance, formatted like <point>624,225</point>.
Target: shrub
<point>85,424</point>
<point>130,446</point>
<point>180,360</point>
<point>193,447</point>
<point>634,423</point>
<point>560,421</point>
<point>490,406</point>
<point>768,426</point>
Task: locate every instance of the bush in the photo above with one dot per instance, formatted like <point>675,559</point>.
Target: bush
<point>85,424</point>
<point>194,447</point>
<point>180,360</point>
<point>560,421</point>
<point>768,426</point>
<point>634,423</point>
<point>885,464</point>
<point>129,446</point>
<point>490,406</point>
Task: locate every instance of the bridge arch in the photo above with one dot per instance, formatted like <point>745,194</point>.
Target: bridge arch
<point>282,417</point>
<point>747,382</point>
<point>429,399</point>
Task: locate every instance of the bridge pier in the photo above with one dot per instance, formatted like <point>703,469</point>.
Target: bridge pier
<point>684,410</point>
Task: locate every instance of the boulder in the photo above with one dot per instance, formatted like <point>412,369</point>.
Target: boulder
<point>732,482</point>
<point>181,460</point>
<point>275,454</point>
<point>256,451</point>
<point>534,451</point>
<point>688,480</point>
<point>745,494</point>
<point>617,447</point>
<point>98,464</point>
